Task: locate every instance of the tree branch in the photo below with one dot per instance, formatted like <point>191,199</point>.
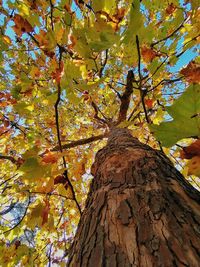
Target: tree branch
<point>170,35</point>
<point>12,159</point>
<point>142,92</point>
<point>96,109</point>
<point>139,58</point>
<point>25,212</point>
<point>80,142</point>
<point>125,98</point>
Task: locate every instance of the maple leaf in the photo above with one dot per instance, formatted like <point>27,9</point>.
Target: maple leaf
<point>149,103</point>
<point>45,212</point>
<point>170,9</point>
<point>194,166</point>
<point>148,54</point>
<point>191,151</point>
<point>60,179</point>
<point>192,72</point>
<point>50,158</point>
<point>58,73</point>
<point>21,25</point>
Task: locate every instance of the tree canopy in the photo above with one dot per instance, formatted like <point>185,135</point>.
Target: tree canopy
<point>70,71</point>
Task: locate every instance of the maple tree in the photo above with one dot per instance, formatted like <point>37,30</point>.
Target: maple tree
<point>71,72</point>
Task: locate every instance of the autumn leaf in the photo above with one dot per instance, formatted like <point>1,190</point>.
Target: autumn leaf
<point>59,72</point>
<point>170,9</point>
<point>194,166</point>
<point>148,54</point>
<point>45,211</point>
<point>149,103</point>
<point>21,25</point>
<point>50,157</point>
<point>192,72</point>
<point>191,150</point>
<point>60,179</point>
<point>7,39</point>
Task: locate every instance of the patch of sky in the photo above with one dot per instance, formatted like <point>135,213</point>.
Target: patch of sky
<point>77,10</point>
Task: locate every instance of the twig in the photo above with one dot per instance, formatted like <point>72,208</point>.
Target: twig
<point>139,57</point>
<point>96,109</point>
<point>170,35</point>
<point>134,110</point>
<point>16,225</point>
<point>8,180</point>
<point>142,92</point>
<point>51,16</point>
<point>49,256</point>
<point>165,81</point>
<point>12,159</point>
<point>59,139</point>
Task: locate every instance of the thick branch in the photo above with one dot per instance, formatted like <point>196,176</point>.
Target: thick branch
<point>125,98</point>
<point>96,116</point>
<point>80,142</point>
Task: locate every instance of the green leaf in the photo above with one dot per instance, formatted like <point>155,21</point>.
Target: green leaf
<point>135,23</point>
<point>186,120</point>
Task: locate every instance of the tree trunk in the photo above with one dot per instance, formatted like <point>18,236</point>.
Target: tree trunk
<point>140,211</point>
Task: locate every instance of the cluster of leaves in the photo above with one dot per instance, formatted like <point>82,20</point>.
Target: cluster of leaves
<point>71,69</point>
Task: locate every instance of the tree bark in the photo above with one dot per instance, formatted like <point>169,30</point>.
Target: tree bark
<point>140,211</point>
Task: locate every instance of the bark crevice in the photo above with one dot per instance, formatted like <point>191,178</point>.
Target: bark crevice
<point>140,210</point>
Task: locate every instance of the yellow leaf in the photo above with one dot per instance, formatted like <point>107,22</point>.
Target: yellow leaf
<point>194,166</point>
<point>7,39</point>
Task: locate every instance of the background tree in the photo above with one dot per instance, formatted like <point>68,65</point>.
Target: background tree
<point>70,72</point>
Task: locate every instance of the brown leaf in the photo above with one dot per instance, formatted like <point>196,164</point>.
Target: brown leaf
<point>192,72</point>
<point>21,25</point>
<point>191,151</point>
<point>45,212</point>
<point>148,54</point>
<point>50,158</point>
<point>170,9</point>
<point>60,179</point>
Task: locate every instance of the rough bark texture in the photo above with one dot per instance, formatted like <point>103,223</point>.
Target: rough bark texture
<point>140,211</point>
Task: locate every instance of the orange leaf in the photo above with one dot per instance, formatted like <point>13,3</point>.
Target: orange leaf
<point>149,103</point>
<point>45,212</point>
<point>192,72</point>
<point>191,151</point>
<point>57,75</point>
<point>73,40</point>
<point>50,158</point>
<point>21,25</point>
<point>148,54</point>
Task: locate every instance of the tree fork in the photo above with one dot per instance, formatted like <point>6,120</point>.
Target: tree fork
<point>140,210</point>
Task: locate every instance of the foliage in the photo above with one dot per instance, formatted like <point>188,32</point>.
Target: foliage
<point>69,71</point>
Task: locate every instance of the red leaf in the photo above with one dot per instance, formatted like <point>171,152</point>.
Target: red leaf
<point>149,103</point>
